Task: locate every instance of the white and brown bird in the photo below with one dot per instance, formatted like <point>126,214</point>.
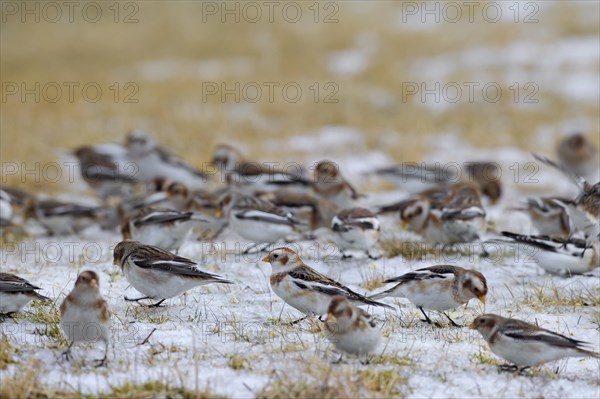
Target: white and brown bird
<point>415,178</point>
<point>548,215</point>
<point>579,156</point>
<point>258,221</point>
<point>155,161</point>
<point>15,293</point>
<point>317,212</point>
<point>6,209</point>
<point>351,329</point>
<point>159,274</point>
<point>445,215</point>
<point>62,218</point>
<point>161,227</point>
<point>107,170</point>
<point>438,288</point>
<point>524,344</point>
<point>304,288</point>
<point>356,228</point>
<point>487,176</point>
<point>557,255</point>
<point>330,185</point>
<point>584,211</point>
<point>84,315</point>
<point>249,176</point>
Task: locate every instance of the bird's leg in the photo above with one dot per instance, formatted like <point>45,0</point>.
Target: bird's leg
<point>364,359</point>
<point>451,321</point>
<point>67,352</point>
<point>136,299</point>
<point>484,252</point>
<point>9,315</point>
<point>102,362</point>
<point>157,304</point>
<point>298,321</point>
<point>427,319</point>
<point>507,367</point>
<point>521,370</point>
<point>339,360</point>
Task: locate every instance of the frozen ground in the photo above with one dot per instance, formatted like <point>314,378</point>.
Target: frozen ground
<point>233,341</point>
<point>230,340</point>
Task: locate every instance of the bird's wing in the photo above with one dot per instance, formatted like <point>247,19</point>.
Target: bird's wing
<point>151,257</point>
<point>12,283</point>
<point>524,331</point>
<point>161,216</point>
<point>427,273</point>
<point>306,278</point>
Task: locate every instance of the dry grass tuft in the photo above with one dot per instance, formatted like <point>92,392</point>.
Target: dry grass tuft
<point>26,384</point>
<point>323,380</point>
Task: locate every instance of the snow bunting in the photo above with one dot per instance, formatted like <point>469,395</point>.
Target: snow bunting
<point>351,330</point>
<point>548,214</point>
<point>159,274</point>
<point>249,176</point>
<point>202,202</point>
<point>107,175</point>
<point>414,178</point>
<point>487,177</point>
<point>306,289</point>
<point>15,293</point>
<point>438,288</point>
<point>330,185</point>
<point>320,211</point>
<point>585,212</point>
<point>18,196</point>
<point>227,158</point>
<point>164,228</point>
<point>61,218</point>
<point>356,228</point>
<point>6,211</point>
<point>256,220</point>
<point>562,256</point>
<point>446,216</point>
<point>579,155</point>
<point>84,314</point>
<point>155,161</point>
<point>525,344</point>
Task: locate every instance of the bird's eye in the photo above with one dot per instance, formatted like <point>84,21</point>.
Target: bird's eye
<point>275,256</point>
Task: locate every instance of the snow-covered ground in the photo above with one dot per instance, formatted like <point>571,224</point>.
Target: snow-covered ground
<point>233,340</point>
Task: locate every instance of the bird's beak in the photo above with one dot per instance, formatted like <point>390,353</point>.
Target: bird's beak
<point>331,318</point>
<point>266,259</point>
<point>403,224</point>
<point>93,283</point>
<point>219,212</point>
<point>472,326</point>
<point>482,298</point>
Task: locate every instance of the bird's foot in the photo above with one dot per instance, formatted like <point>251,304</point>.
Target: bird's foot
<point>157,304</point>
<point>135,299</point>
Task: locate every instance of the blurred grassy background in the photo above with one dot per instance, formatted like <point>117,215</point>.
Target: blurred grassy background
<point>171,51</point>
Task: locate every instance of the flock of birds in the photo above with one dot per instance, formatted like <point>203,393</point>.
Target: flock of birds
<point>158,201</point>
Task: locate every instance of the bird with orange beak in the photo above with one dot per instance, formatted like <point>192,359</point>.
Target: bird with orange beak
<point>525,344</point>
<point>439,288</point>
<point>84,315</point>
<point>304,288</point>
